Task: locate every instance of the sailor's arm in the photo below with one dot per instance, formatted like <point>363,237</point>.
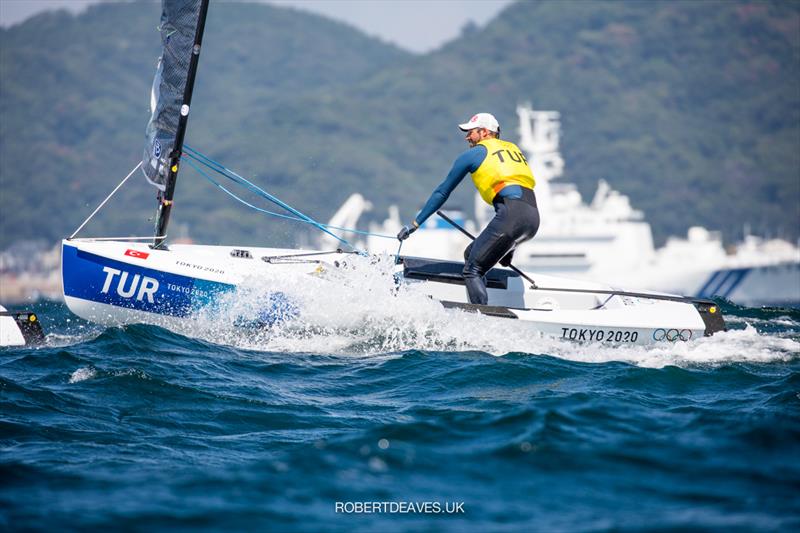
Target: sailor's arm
<point>465,163</point>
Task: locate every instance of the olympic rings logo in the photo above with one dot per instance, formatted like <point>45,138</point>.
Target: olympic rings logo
<point>672,335</point>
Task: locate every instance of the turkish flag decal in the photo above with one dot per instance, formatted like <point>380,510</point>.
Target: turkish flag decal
<point>137,254</point>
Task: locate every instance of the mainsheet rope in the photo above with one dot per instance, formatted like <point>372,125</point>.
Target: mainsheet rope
<point>236,178</point>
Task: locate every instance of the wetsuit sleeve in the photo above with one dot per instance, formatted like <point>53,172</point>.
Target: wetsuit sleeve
<point>467,162</point>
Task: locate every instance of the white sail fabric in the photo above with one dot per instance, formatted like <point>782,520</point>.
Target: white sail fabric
<point>178,24</point>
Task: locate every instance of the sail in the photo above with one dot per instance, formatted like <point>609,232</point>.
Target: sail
<point>179,19</point>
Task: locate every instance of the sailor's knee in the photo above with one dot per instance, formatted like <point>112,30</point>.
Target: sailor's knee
<point>467,251</point>
<point>471,270</point>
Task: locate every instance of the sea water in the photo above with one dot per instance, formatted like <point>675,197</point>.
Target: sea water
<point>387,413</point>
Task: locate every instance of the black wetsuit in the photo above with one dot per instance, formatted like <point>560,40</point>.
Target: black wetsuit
<point>516,220</point>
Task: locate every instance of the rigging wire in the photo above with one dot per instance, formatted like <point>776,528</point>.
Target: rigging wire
<point>121,183</point>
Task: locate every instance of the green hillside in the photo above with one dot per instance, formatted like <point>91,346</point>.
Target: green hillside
<point>690,108</point>
<point>74,102</point>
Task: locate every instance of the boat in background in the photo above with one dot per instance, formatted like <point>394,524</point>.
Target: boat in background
<point>608,240</point>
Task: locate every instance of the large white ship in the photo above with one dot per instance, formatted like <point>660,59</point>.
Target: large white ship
<point>606,240</point>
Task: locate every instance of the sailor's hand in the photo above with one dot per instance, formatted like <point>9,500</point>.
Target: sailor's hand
<point>406,231</point>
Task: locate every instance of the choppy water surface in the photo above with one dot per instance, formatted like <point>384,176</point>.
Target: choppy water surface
<point>410,410</point>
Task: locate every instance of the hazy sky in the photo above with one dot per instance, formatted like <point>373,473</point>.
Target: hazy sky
<point>416,25</point>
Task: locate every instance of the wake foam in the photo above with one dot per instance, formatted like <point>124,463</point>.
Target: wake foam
<point>358,310</point>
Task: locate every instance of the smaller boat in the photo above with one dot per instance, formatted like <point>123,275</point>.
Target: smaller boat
<point>19,328</point>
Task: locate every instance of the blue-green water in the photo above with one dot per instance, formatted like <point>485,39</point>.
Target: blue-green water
<point>142,428</point>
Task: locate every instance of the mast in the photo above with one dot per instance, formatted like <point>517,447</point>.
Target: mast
<point>165,197</point>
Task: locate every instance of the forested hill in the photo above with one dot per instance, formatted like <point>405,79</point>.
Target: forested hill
<point>691,108</point>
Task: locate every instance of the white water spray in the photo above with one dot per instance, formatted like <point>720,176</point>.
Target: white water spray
<point>358,310</point>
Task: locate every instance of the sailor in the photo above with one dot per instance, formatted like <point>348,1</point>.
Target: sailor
<point>504,180</point>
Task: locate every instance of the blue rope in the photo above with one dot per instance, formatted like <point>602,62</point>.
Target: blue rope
<point>213,181</point>
<point>257,190</point>
<point>272,213</point>
<point>217,167</point>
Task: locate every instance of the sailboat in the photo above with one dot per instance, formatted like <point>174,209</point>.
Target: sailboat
<point>123,281</point>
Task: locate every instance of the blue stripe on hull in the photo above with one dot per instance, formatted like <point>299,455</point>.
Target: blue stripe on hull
<point>100,279</point>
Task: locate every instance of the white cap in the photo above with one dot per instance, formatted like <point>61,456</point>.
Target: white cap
<point>481,120</point>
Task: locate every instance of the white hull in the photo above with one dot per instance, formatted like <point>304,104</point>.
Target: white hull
<point>121,283</point>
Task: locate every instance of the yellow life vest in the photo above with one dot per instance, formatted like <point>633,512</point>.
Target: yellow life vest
<point>504,165</point>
